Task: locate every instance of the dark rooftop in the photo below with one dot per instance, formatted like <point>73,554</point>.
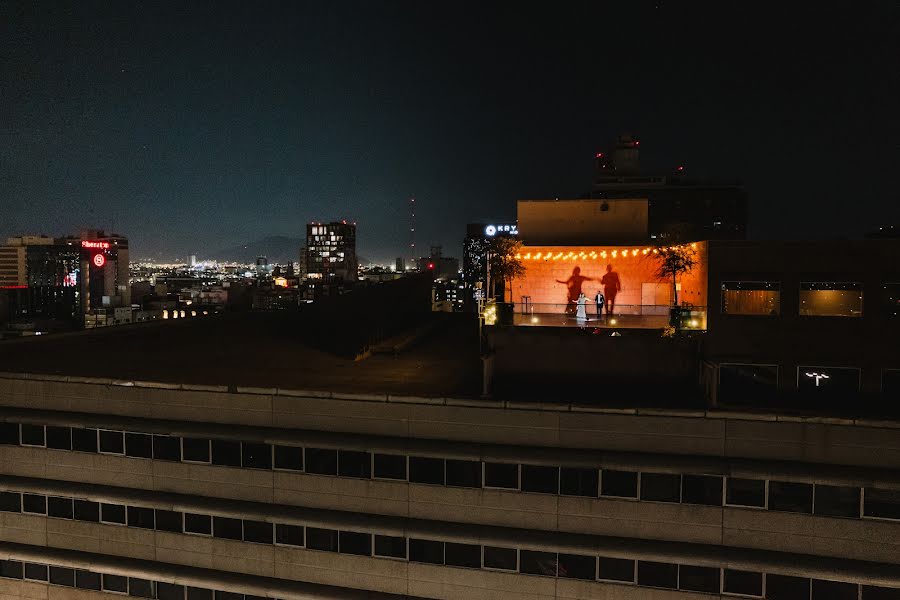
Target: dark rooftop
<point>259,350</point>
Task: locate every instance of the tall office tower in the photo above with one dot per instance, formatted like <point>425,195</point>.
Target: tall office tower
<point>331,252</point>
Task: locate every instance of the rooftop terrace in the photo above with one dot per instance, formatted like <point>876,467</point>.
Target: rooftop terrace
<point>253,350</point>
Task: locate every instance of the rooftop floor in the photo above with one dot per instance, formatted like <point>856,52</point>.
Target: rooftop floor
<point>262,350</point>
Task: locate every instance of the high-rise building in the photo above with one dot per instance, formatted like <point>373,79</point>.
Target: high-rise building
<point>331,252</point>
<point>400,265</point>
<point>66,278</point>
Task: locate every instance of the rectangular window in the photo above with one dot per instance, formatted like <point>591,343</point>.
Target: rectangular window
<point>619,484</point>
<point>195,450</point>
<point>701,489</point>
<point>33,435</point>
<point>9,434</point>
<point>226,453</point>
<point>258,532</point>
<point>10,502</point>
<point>11,569</point>
<point>62,576</point>
<point>504,559</point>
<point>36,572</point>
<point>256,456</point>
<point>87,580</point>
<point>197,524</point>
<point>138,445</point>
<point>169,591</point>
<point>84,440</point>
<point>751,298</point>
<point>61,508</point>
<point>169,520</point>
<point>655,574</point>
<point>501,475</point>
<point>289,458</point>
<point>227,529</point>
<point>166,447</point>
<point>354,464</point>
<point>828,384</point>
<point>790,497</point>
<point>462,555</point>
<point>112,442</point>
<point>86,510</point>
<point>426,551</point>
<point>59,438</point>
<point>115,583</point>
<point>891,299</point>
<point>579,482</point>
<point>322,539</point>
<point>890,384</point>
<point>351,542</point>
<point>228,596</point>
<point>321,461</point>
<point>660,487</point>
<point>289,535</point>
<point>747,384</point>
<point>745,492</point>
<point>834,590</point>
<point>540,479</point>
<point>537,563</point>
<point>390,546</point>
<point>784,587</point>
<point>390,466</point>
<point>698,579</point>
<point>199,594</point>
<point>34,503</point>
<point>746,583</point>
<point>836,501</point>
<point>140,588</point>
<point>426,470</point>
<point>615,569</point>
<point>831,299</point>
<point>870,592</point>
<point>464,473</point>
<point>575,566</point>
<point>112,513</point>
<point>881,503</point>
<point>140,517</point>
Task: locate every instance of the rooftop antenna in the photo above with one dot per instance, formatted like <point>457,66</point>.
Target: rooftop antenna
<point>412,230</point>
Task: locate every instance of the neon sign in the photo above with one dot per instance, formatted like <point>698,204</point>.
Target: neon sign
<point>95,245</point>
<point>492,230</point>
<point>99,260</point>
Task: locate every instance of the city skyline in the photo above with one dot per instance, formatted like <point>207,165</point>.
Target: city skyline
<point>192,129</point>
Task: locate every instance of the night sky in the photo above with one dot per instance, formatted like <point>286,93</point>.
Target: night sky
<point>192,126</point>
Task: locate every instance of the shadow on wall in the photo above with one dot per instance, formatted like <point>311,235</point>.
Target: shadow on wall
<point>637,368</point>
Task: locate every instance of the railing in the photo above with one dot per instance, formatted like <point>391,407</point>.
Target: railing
<point>626,316</point>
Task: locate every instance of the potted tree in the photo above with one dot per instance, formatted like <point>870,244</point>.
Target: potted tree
<point>504,266</point>
<point>675,261</point>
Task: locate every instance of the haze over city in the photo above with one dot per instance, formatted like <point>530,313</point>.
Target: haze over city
<point>196,128</point>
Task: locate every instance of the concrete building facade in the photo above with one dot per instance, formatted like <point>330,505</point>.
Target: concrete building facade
<point>165,490</point>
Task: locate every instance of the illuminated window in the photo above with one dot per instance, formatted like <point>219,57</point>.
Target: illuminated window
<point>831,299</point>
<point>751,298</point>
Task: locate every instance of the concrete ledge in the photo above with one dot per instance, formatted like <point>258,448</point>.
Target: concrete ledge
<point>302,393</point>
<point>259,391</point>
<point>415,400</point>
<point>364,397</point>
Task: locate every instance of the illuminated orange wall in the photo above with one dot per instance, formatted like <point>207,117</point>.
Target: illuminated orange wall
<point>634,269</point>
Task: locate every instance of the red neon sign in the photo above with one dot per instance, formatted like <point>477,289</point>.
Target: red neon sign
<point>95,245</point>
<point>99,260</point>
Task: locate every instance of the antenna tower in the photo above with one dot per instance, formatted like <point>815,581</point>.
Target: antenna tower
<point>412,231</point>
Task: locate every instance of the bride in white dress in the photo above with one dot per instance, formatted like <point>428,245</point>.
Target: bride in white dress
<point>581,311</point>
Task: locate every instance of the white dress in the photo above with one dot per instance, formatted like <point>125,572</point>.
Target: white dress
<point>581,311</point>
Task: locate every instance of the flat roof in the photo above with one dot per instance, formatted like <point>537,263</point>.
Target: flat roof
<point>253,350</point>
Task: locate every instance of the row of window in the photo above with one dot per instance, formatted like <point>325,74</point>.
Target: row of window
<point>816,298</point>
<point>687,578</point>
<point>710,490</point>
<point>118,584</point>
<point>751,384</point>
